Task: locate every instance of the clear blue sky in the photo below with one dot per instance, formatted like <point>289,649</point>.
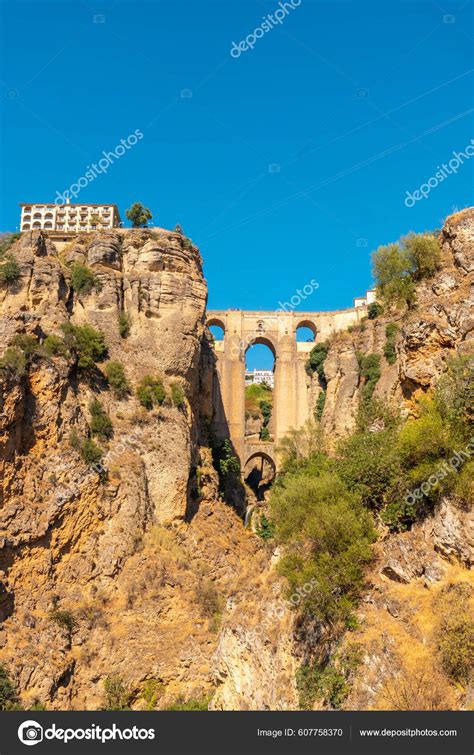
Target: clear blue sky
<point>286,164</point>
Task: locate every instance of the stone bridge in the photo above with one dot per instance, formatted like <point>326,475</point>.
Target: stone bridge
<point>291,398</point>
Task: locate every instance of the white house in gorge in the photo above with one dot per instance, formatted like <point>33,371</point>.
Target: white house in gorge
<point>68,218</point>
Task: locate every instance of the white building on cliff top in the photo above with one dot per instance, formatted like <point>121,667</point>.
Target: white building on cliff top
<point>68,218</point>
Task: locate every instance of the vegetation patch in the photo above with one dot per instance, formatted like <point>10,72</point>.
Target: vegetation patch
<point>151,391</point>
<point>83,279</point>
<point>117,379</point>
<point>100,424</point>
<point>398,267</point>
<point>85,344</point>
<point>389,351</point>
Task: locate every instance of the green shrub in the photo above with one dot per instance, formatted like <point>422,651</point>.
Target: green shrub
<point>327,536</point>
<point>151,692</point>
<point>85,343</point>
<point>54,346</point>
<point>10,270</point>
<point>330,683</point>
<point>228,467</point>
<point>116,695</point>
<point>208,598</point>
<point>369,366</point>
<point>316,359</point>
<point>63,618</point>
<point>8,695</point>
<point>28,344</point>
<point>13,364</point>
<point>177,395</point>
<point>194,703</point>
<point>374,310</point>
<point>454,397</point>
<point>319,409</point>
<point>266,411</point>
<point>389,348</point>
<point>6,242</point>
<point>101,424</point>
<point>90,452</point>
<point>117,379</point>
<point>83,279</point>
<point>151,391</point>
<point>124,325</point>
<point>265,434</point>
<point>265,528</point>
<point>455,632</point>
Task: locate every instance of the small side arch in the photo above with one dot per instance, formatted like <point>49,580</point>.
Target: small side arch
<point>306,328</point>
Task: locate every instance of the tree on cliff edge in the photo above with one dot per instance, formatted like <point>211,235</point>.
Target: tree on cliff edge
<point>138,215</point>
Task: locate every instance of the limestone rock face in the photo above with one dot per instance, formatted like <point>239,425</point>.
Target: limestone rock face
<point>441,325</point>
<point>131,573</point>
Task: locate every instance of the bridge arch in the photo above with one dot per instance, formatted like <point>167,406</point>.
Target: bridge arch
<point>309,324</point>
<point>259,472</point>
<point>264,341</point>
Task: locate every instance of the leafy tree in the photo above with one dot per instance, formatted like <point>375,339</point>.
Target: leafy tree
<point>392,267</point>
<point>85,343</point>
<point>265,433</point>
<point>117,379</point>
<point>101,424</point>
<point>151,391</point>
<point>138,215</point>
<point>424,252</point>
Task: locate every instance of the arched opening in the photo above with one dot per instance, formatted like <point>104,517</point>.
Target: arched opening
<point>217,329</point>
<point>305,332</point>
<point>26,226</point>
<point>259,386</point>
<point>36,224</point>
<point>49,215</point>
<point>259,474</point>
<point>48,225</point>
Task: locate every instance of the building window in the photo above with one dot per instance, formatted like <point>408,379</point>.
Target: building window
<point>37,215</point>
<point>26,226</point>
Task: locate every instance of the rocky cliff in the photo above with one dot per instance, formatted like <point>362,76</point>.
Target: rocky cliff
<point>126,572</point>
<point>129,581</point>
<point>441,325</point>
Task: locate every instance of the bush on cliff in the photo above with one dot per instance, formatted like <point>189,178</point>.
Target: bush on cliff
<point>8,695</point>
<point>85,343</point>
<point>151,391</point>
<point>101,424</point>
<point>397,267</point>
<point>83,279</point>
<point>117,379</point>
<point>327,536</point>
<point>10,270</point>
<point>13,364</point>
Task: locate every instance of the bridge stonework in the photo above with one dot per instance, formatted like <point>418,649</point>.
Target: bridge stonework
<point>291,398</point>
